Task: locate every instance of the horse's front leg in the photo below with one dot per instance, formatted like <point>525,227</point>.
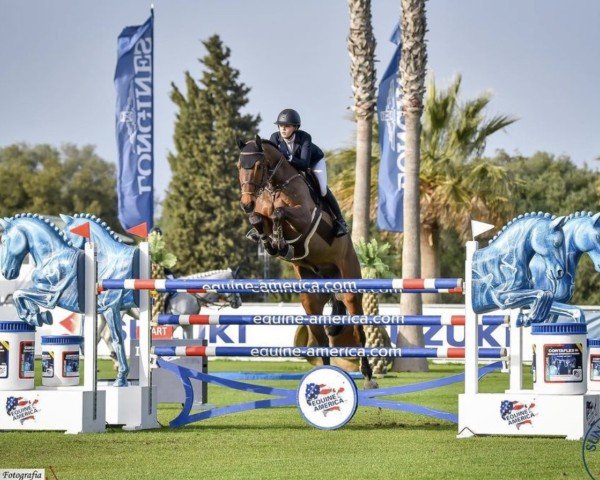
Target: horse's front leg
<point>259,223</point>
<point>539,302</point>
<point>575,313</point>
<point>113,320</point>
<point>28,303</point>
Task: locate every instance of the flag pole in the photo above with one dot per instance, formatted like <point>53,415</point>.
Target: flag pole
<point>152,107</point>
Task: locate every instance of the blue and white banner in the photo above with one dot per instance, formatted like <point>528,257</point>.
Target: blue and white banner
<point>391,142</point>
<point>135,125</point>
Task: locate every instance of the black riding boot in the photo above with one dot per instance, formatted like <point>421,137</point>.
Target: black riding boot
<point>339,228</point>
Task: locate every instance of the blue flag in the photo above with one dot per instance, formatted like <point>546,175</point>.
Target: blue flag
<point>134,81</point>
<point>391,142</point>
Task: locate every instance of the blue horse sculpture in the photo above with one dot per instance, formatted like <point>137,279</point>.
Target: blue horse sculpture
<point>56,278</point>
<point>501,275</point>
<point>110,247</point>
<point>582,235</point>
<point>113,258</point>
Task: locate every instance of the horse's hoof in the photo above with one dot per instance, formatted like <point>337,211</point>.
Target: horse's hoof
<point>120,382</point>
<point>370,384</point>
<point>46,317</point>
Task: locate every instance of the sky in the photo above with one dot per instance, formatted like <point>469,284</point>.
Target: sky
<point>538,58</point>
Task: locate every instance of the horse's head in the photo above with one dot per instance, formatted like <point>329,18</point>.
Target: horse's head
<point>548,240</point>
<point>257,164</point>
<point>13,249</point>
<point>587,238</point>
<point>70,222</point>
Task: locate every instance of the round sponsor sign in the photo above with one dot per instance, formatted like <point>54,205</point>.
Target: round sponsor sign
<point>591,450</point>
<point>327,397</point>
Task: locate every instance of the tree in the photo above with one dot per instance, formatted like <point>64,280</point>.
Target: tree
<point>412,72</point>
<point>456,185</point>
<point>361,47</point>
<point>46,180</point>
<point>556,185</point>
<point>202,220</point>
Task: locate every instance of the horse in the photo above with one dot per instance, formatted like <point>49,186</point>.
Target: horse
<point>582,235</point>
<point>56,278</point>
<point>501,276</point>
<point>292,225</point>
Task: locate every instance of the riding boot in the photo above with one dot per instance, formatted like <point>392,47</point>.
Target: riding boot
<point>339,228</point>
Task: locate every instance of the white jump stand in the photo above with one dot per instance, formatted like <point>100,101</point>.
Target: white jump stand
<point>72,409</point>
<point>532,413</point>
<point>169,387</point>
<point>134,406</point>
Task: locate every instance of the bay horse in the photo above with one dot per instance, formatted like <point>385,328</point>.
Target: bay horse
<point>292,225</point>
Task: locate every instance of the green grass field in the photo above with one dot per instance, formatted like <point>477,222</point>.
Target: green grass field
<point>276,443</point>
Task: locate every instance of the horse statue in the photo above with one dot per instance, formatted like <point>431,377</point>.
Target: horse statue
<point>582,235</point>
<point>292,225</point>
<point>56,279</point>
<point>109,245</point>
<point>501,275</point>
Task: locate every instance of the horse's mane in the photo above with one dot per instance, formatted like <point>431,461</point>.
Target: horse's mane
<point>49,223</point>
<point>269,142</point>
<point>518,219</point>
<point>101,223</point>
<point>581,214</point>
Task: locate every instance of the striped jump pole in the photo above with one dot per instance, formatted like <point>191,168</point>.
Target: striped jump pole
<point>423,320</point>
<point>359,285</point>
<point>302,352</point>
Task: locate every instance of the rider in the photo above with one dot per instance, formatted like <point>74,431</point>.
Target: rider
<point>298,148</point>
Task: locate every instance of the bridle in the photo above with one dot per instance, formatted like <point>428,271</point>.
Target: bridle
<point>268,184</point>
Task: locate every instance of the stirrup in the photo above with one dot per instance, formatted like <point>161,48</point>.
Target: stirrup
<point>340,228</point>
<point>253,235</point>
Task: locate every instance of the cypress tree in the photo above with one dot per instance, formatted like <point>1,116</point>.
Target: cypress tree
<point>202,220</point>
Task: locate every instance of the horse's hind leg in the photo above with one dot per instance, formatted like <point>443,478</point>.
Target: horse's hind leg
<point>313,304</point>
<point>113,319</point>
<point>350,268</point>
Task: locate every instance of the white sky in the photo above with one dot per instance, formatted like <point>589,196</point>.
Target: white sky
<point>539,58</point>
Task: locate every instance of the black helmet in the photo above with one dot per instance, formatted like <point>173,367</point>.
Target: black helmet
<point>288,117</point>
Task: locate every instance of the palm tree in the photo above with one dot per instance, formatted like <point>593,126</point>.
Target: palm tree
<point>412,73</point>
<point>374,260</point>
<point>456,184</point>
<point>361,47</point>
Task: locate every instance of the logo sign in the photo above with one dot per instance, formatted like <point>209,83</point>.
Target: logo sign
<point>327,398</point>
<point>591,450</point>
<point>517,413</point>
<point>21,409</point>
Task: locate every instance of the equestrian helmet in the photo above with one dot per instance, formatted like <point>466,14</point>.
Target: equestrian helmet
<point>288,117</point>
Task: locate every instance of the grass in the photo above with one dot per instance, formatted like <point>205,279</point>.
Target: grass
<point>276,443</point>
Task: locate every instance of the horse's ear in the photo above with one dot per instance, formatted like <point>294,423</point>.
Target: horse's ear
<point>258,142</point>
<point>241,144</point>
<point>595,219</point>
<point>66,218</point>
<point>558,222</point>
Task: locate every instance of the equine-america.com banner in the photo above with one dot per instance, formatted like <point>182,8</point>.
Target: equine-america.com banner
<point>134,124</point>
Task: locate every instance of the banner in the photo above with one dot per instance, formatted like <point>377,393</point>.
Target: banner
<point>134,81</point>
<point>391,142</point>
